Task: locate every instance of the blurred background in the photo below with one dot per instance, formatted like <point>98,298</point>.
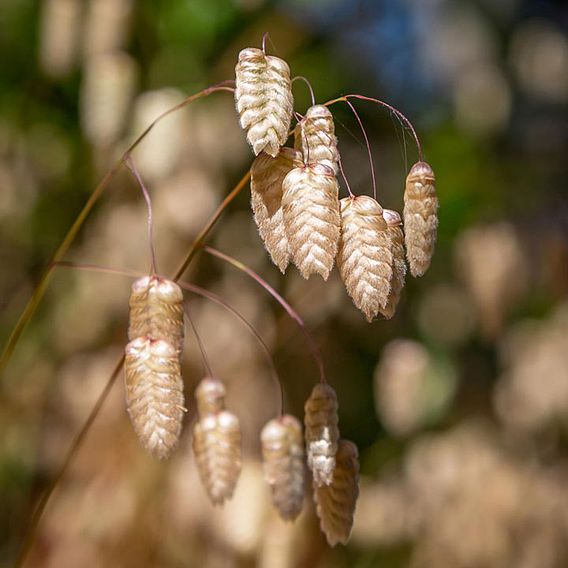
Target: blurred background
<point>458,405</point>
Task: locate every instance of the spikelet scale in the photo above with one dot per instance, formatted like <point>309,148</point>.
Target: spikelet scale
<point>210,396</point>
<point>420,217</point>
<point>365,254</point>
<point>264,101</point>
<point>311,218</point>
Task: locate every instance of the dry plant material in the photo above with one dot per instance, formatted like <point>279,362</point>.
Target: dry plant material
<point>156,310</point>
<point>321,432</point>
<point>267,175</point>
<point>365,258</point>
<point>315,137</point>
<point>311,218</point>
<point>283,460</point>
<point>420,217</point>
<point>396,236</point>
<point>154,393</point>
<point>264,99</point>
<point>210,395</point>
<point>335,503</point>
<point>217,449</point>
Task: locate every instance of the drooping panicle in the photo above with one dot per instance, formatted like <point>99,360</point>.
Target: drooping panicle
<point>336,503</point>
<point>321,432</point>
<point>156,310</point>
<point>267,175</point>
<point>283,462</point>
<point>154,393</point>
<point>365,257</point>
<point>264,99</point>
<point>311,218</point>
<point>420,217</point>
<point>396,235</point>
<point>216,441</point>
<point>315,137</point>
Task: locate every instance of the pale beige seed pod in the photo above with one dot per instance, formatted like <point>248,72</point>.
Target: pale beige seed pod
<point>156,310</point>
<point>396,236</point>
<point>267,175</point>
<point>365,257</point>
<point>321,432</point>
<point>210,396</point>
<point>283,462</point>
<point>264,99</point>
<point>217,449</point>
<point>311,218</point>
<point>420,217</point>
<point>335,503</point>
<point>154,393</point>
<point>315,137</point>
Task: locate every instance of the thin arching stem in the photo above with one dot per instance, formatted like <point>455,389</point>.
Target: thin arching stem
<point>305,80</point>
<point>204,356</point>
<point>316,354</point>
<point>340,164</point>
<point>150,222</point>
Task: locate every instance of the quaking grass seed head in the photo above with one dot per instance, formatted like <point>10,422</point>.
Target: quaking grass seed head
<point>210,395</point>
<point>420,217</point>
<point>264,100</point>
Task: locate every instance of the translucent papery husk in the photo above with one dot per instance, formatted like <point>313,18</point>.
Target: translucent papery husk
<point>365,257</point>
<point>284,467</point>
<point>321,432</point>
<point>336,503</point>
<point>156,310</point>
<point>217,449</point>
<point>315,137</point>
<point>264,100</point>
<point>396,235</point>
<point>267,175</point>
<point>154,393</point>
<point>420,217</point>
<point>210,395</point>
<point>311,218</point>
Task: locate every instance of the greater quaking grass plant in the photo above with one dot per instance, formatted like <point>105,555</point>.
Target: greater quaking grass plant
<point>301,219</point>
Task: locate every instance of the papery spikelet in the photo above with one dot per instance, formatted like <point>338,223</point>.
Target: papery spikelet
<point>210,396</point>
<point>335,503</point>
<point>315,137</point>
<point>321,432</point>
<point>154,393</point>
<point>217,449</point>
<point>311,218</point>
<point>156,310</point>
<point>365,254</point>
<point>420,217</point>
<point>396,235</point>
<point>267,175</point>
<point>283,460</point>
<point>264,99</point>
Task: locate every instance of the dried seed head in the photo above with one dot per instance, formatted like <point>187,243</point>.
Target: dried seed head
<point>396,236</point>
<point>210,395</point>
<point>420,217</point>
<point>154,393</point>
<point>284,470</point>
<point>315,137</point>
<point>335,503</point>
<point>365,254</point>
<point>264,99</point>
<point>267,175</point>
<point>311,218</point>
<point>217,449</point>
<point>321,433</point>
<point>156,310</point>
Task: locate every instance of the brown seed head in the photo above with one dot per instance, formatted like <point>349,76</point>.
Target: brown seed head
<point>264,99</point>
<point>210,396</point>
<point>156,310</point>
<point>154,393</point>
<point>284,469</point>
<point>311,218</point>
<point>321,432</point>
<point>365,257</point>
<point>335,503</point>
<point>217,449</point>
<point>420,217</point>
